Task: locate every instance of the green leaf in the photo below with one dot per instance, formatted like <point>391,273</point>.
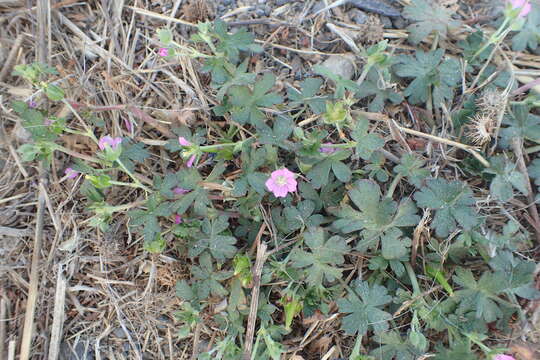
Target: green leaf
<point>375,216</point>
<point>520,124</point>
<point>324,255</point>
<point>394,347</point>
<point>184,291</point>
<point>429,69</point>
<point>413,169</point>
<point>318,174</point>
<point>394,246</point>
<point>363,308</point>
<point>282,129</point>
<point>372,87</point>
<point>246,102</point>
<point>477,295</point>
<point>460,350</point>
<point>428,17</point>
<point>529,34</point>
<point>367,142</point>
<point>148,219</point>
<point>220,246</point>
<point>453,203</point>
<point>506,178</point>
<point>232,44</point>
<point>54,93</point>
<point>165,36</point>
<point>341,83</point>
<point>308,95</point>
<point>208,279</point>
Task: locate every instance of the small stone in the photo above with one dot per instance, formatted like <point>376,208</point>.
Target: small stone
<point>358,16</point>
<point>386,22</point>
<point>376,6</point>
<point>399,22</point>
<point>226,2</point>
<point>340,65</point>
<point>283,2</point>
<point>119,333</point>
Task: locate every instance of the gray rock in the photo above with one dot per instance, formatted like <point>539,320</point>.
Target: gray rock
<point>399,22</point>
<point>340,65</point>
<point>119,333</point>
<point>358,16</point>
<point>386,22</point>
<point>376,6</point>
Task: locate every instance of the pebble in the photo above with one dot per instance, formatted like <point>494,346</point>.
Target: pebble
<point>340,65</point>
<point>399,22</point>
<point>386,22</point>
<point>283,2</point>
<point>376,6</point>
<point>119,333</point>
<point>358,16</point>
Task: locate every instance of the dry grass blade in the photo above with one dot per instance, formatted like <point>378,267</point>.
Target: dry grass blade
<point>58,314</point>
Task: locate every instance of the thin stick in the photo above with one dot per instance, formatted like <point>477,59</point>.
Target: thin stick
<point>26,342</point>
<point>517,146</point>
<point>58,315</point>
<point>252,319</point>
<point>11,57</point>
<point>11,350</point>
<point>3,323</point>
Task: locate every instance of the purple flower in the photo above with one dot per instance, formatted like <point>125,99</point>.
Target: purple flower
<point>281,182</point>
<point>327,149</point>
<point>163,52</point>
<point>177,219</point>
<point>48,122</point>
<point>524,5</point>
<point>191,161</point>
<point>70,173</point>
<point>183,141</point>
<point>180,191</point>
<point>31,104</point>
<point>108,141</point>
<point>503,357</point>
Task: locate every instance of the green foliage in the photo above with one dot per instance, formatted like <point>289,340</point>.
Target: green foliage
<point>375,215</point>
<point>394,347</point>
<point>507,178</point>
<point>232,44</point>
<point>318,174</point>
<point>324,256</point>
<point>363,308</point>
<point>428,17</point>
<point>453,203</point>
<point>297,217</point>
<point>148,218</point>
<point>520,124</point>
<point>307,96</point>
<point>213,239</point>
<point>246,102</point>
<point>529,34</point>
<point>366,142</point>
<point>375,85</point>
<point>412,168</point>
<point>340,82</point>
<point>431,73</point>
<point>208,280</point>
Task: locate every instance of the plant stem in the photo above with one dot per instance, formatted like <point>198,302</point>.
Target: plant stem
<point>393,186</point>
<point>412,277</point>
<point>130,174</point>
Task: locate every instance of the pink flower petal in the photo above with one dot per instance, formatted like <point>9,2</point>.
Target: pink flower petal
<point>503,357</point>
<point>281,182</point>
<point>183,141</point>
<point>70,173</point>
<point>109,141</point>
<point>163,52</point>
<point>177,219</point>
<point>180,191</point>
<point>191,161</point>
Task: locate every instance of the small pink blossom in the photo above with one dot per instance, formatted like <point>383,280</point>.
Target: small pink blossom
<point>31,104</point>
<point>177,219</point>
<point>327,149</point>
<point>108,141</point>
<point>48,122</point>
<point>524,5</point>
<point>70,173</point>
<point>163,52</point>
<point>503,357</point>
<point>183,141</point>
<point>281,182</point>
<point>191,161</point>
<point>180,191</point>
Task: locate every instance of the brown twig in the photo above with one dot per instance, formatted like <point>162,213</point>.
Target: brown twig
<point>517,146</point>
<point>58,315</point>
<point>3,323</point>
<point>252,319</point>
<point>11,57</point>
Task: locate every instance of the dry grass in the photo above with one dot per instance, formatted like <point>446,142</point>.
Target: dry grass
<point>118,299</point>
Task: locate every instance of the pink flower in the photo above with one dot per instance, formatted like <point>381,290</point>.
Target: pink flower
<point>179,191</point>
<point>183,141</point>
<point>163,52</point>
<point>503,357</point>
<point>327,149</point>
<point>70,173</point>
<point>31,104</point>
<point>281,182</point>
<point>191,161</point>
<point>524,5</point>
<point>108,141</point>
<point>48,122</point>
<point>177,219</point>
